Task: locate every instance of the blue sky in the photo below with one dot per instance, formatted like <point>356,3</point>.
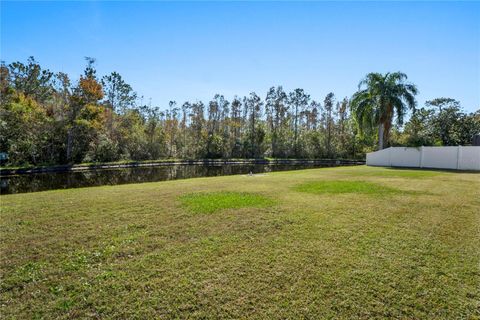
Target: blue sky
<point>192,50</point>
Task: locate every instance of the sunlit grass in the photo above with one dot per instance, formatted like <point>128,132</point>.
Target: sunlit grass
<point>216,201</point>
<point>247,247</point>
<point>393,172</point>
<point>339,186</point>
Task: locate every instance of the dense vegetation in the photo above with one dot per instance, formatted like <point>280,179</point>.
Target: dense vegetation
<point>48,119</point>
<point>337,243</point>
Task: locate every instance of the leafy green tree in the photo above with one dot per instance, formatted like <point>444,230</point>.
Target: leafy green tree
<point>186,107</point>
<point>312,145</point>
<point>345,130</point>
<point>236,124</point>
<point>452,126</point>
<point>5,88</point>
<point>23,130</point>
<point>312,115</point>
<point>255,133</point>
<point>442,122</point>
<point>155,134</point>
<point>197,130</point>
<point>276,107</point>
<point>446,121</point>
<point>379,99</point>
<point>171,128</point>
<point>470,126</point>
<point>45,119</point>
<point>329,123</point>
<point>134,140</point>
<point>217,111</point>
<point>85,116</point>
<point>31,80</point>
<point>298,100</point>
<point>119,95</point>
<point>418,130</point>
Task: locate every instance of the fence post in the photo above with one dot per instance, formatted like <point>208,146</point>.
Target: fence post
<point>459,154</point>
<point>421,157</point>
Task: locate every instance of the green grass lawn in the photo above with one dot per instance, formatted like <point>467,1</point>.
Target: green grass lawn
<point>350,242</point>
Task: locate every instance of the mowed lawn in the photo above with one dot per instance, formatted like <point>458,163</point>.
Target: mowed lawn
<point>350,242</point>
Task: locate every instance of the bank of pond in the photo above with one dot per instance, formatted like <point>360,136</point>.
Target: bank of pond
<point>41,179</point>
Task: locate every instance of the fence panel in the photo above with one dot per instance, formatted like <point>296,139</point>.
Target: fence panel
<point>379,158</point>
<point>460,158</point>
<point>469,158</point>
<point>440,157</point>
<point>405,157</point>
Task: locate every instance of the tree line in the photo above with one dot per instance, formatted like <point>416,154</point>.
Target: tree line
<point>46,118</point>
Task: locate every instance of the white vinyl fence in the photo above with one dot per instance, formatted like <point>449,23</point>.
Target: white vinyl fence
<point>457,158</point>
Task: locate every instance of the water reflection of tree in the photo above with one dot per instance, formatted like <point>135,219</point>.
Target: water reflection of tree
<point>48,181</point>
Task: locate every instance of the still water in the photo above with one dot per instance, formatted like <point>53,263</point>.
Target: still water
<point>64,180</point>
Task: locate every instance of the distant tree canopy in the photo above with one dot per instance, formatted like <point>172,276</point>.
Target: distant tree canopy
<point>46,118</point>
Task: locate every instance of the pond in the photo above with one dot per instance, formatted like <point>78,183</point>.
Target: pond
<point>76,179</point>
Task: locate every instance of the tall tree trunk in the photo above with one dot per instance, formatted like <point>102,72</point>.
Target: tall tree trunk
<point>380,136</point>
<point>110,122</point>
<point>296,132</point>
<point>69,144</point>
<point>253,133</point>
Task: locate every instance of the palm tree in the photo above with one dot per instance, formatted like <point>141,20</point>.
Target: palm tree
<point>379,99</point>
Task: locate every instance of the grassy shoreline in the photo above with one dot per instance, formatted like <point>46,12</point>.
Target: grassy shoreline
<point>394,244</point>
